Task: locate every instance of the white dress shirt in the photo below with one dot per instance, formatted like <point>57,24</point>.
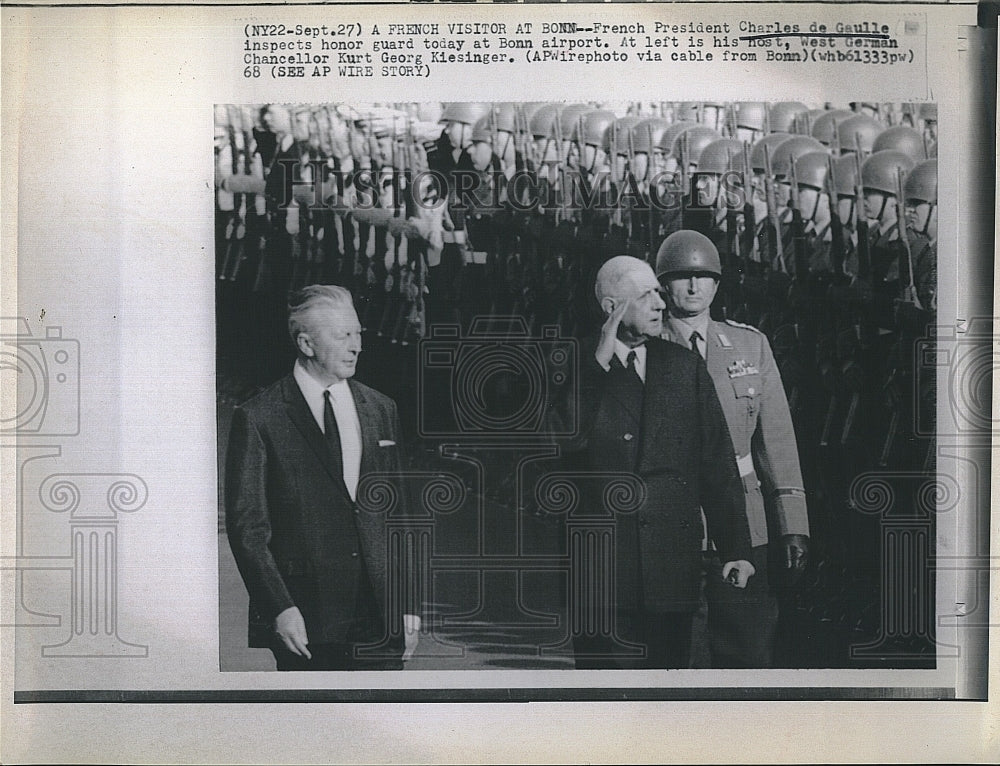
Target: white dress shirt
<point>346,414</point>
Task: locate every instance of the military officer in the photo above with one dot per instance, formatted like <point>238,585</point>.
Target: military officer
<point>741,623</point>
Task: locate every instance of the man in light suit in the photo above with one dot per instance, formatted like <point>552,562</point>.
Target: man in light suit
<point>328,588</point>
<point>741,624</point>
<point>652,414</point>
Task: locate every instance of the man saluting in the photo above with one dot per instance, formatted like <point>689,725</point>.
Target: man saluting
<point>651,412</point>
<point>325,593</point>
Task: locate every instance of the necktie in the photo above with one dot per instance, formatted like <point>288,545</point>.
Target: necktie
<point>630,365</point>
<point>332,436</point>
<point>695,337</point>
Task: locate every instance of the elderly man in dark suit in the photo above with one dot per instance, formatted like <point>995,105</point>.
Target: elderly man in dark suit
<point>324,585</point>
<point>651,413</point>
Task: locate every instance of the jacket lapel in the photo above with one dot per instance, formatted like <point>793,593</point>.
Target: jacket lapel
<point>300,414</point>
<point>618,386</point>
<point>656,401</point>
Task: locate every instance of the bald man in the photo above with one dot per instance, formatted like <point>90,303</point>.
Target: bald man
<point>651,413</point>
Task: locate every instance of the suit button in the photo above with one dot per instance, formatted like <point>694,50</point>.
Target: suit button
<point>751,391</point>
<point>627,437</point>
<point>354,555</point>
<point>357,512</point>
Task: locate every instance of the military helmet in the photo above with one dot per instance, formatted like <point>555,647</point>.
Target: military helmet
<point>646,134</point>
<point>483,129</point>
<point>880,171</point>
<point>846,171</point>
<point>757,150</point>
<point>670,134</point>
<point>750,115</point>
<point>811,169</point>
<point>859,130</point>
<point>595,125</point>
<point>928,112</point>
<point>823,127</point>
<point>505,116</point>
<point>794,147</point>
<point>689,111</point>
<point>717,156</point>
<point>807,119</point>
<point>781,116</point>
<point>569,120</point>
<point>467,112</point>
<point>694,140</point>
<point>687,251</point>
<point>620,127</point>
<point>921,182</point>
<point>903,139</point>
<point>541,124</point>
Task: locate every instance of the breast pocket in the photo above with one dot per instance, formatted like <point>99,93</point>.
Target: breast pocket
<point>747,390</point>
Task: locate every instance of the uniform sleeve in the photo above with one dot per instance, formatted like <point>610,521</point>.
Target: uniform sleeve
<point>248,523</point>
<point>722,498</point>
<point>775,452</point>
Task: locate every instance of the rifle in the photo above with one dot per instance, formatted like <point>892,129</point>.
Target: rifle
<point>906,268</point>
<point>837,248</point>
<point>750,244</point>
<point>800,256</point>
<point>772,211</point>
<point>236,227</point>
<point>392,283</point>
<point>861,222</point>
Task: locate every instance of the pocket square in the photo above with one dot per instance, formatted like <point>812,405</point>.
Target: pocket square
<point>386,443</point>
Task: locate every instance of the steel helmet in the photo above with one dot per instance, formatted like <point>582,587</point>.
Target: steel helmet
<point>859,130</point>
<point>823,126</point>
<point>670,134</point>
<point>781,116</point>
<point>903,139</point>
<point>467,112</point>
<point>845,170</point>
<point>621,126</point>
<point>688,111</point>
<point>811,169</point>
<point>694,140</point>
<point>717,156</point>
<point>483,129</point>
<point>757,150</point>
<point>595,125</point>
<point>646,134</point>
<point>542,123</point>
<point>505,116</point>
<point>921,183</point>
<point>750,115</point>
<point>807,119</point>
<point>687,251</point>
<point>796,146</point>
<point>569,120</point>
<point>879,171</point>
<point>928,112</point>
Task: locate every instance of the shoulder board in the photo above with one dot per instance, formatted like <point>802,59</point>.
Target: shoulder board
<point>731,323</point>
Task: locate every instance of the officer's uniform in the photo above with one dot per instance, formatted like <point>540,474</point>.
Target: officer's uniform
<point>742,367</point>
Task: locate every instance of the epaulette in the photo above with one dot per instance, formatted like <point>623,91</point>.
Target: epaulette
<point>731,323</point>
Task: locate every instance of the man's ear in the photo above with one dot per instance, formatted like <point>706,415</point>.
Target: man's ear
<point>304,345</point>
<point>607,305</point>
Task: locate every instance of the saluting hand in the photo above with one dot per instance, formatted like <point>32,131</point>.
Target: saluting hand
<point>609,332</point>
<point>738,573</point>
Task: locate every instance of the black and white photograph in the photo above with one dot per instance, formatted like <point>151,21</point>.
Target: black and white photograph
<point>623,385</point>
<point>502,382</point>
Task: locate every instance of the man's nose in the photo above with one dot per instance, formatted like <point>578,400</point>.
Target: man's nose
<point>658,302</point>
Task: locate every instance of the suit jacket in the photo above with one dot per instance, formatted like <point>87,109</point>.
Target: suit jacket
<point>297,536</point>
<point>679,448</point>
<point>746,378</point>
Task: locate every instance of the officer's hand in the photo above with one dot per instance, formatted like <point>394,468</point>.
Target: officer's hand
<point>291,629</point>
<point>609,332</point>
<point>738,573</point>
<point>411,635</point>
<point>796,551</point>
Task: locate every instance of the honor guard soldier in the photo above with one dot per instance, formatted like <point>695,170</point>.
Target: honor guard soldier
<point>921,222</point>
<point>741,623</point>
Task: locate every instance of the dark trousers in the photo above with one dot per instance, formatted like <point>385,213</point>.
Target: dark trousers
<point>741,622</point>
<point>643,641</point>
<point>367,645</point>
